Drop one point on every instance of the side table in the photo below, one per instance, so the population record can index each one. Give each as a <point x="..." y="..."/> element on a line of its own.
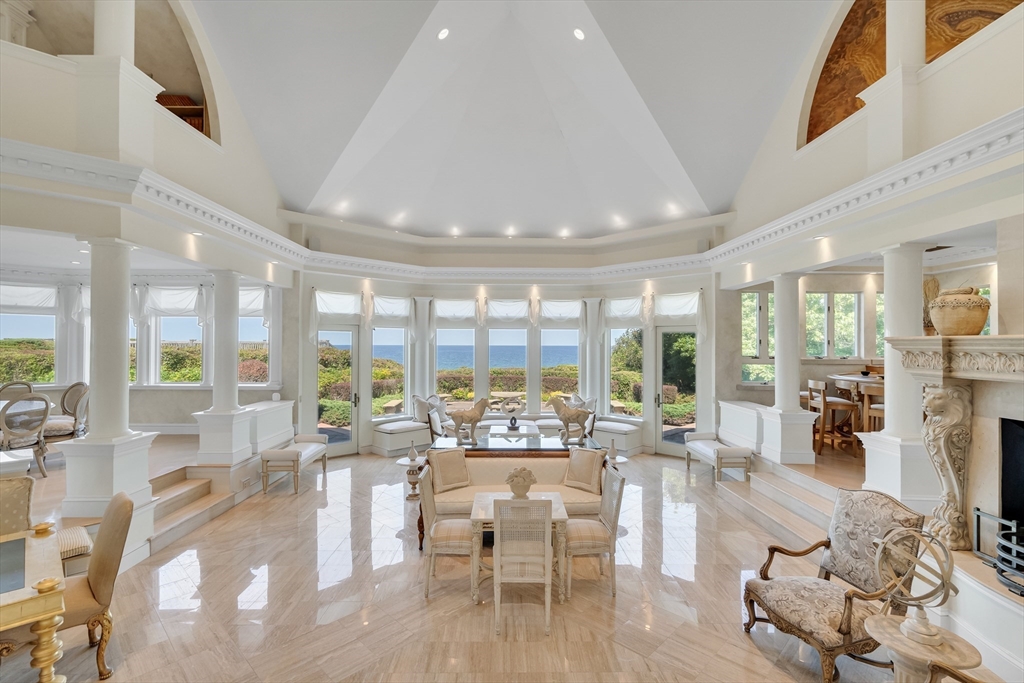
<point x="412" y="471"/>
<point x="910" y="659"/>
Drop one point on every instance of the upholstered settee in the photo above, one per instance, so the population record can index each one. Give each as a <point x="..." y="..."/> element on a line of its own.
<point x="489" y="474"/>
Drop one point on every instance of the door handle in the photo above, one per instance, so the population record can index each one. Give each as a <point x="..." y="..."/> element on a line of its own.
<point x="355" y="400"/>
<point x="657" y="400"/>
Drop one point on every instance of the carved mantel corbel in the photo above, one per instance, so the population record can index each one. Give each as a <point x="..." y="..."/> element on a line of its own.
<point x="947" y="366"/>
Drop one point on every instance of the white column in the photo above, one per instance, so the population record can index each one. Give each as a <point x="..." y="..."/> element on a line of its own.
<point x="113" y="32"/>
<point x="111" y="289"/>
<point x="895" y="459"/>
<point x="533" y="373"/>
<point x="788" y="434"/>
<point x="225" y="341"/>
<point x="110" y="458"/>
<point x="904" y="34"/>
<point x="787" y="342"/>
<point x="591" y="355"/>
<point x="904" y="308"/>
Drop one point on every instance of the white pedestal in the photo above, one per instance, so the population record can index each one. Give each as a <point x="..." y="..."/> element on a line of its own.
<point x="741" y="424"/>
<point x="901" y="468"/>
<point x="788" y="436"/>
<point x="97" y="469"/>
<point x="224" y="438"/>
<point x="271" y="424"/>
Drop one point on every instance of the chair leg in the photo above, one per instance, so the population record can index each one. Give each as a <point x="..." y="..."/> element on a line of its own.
<point x="426" y="578"/>
<point x="828" y="667"/>
<point x="323" y="461"/>
<point x="433" y="563"/>
<point x="40" y="458"/>
<point x="497" y="607"/>
<point x="547" y="604"/>
<point x="105" y="621"/>
<point x="266" y="477"/>
<point x="295" y="475"/>
<point x="568" y="579"/>
<point x="611" y="570"/>
<point x="751" y="614"/>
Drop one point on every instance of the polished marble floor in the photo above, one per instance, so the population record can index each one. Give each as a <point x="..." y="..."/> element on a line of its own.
<point x="327" y="586"/>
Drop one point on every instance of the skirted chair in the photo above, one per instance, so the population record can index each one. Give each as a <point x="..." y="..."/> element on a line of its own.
<point x="522" y="550"/>
<point x="87" y="598"/>
<point x="597" y="536"/>
<point x="22" y="420"/>
<point x="70" y="424"/>
<point x="444" y="537"/>
<point x="819" y="612"/>
<point x="15" y="504"/>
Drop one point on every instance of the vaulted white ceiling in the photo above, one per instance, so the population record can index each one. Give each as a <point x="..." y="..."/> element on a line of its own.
<point x="510" y="125"/>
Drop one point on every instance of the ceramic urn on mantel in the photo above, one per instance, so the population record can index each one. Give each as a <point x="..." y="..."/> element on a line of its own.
<point x="948" y="366"/>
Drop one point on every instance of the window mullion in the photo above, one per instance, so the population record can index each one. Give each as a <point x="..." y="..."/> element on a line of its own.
<point x="830" y="325"/>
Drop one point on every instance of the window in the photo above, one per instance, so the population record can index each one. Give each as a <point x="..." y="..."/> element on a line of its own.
<point x="334" y="385"/>
<point x="771" y="325"/>
<point x="758" y="373"/>
<point x="559" y="363"/>
<point x="832" y="324"/>
<point x="986" y="292"/>
<point x="880" y="325"/>
<point x="388" y="370"/>
<point x="816" y="305"/>
<point x="133" y="351"/>
<point x="181" y="350"/>
<point x="253" y="351"/>
<point x="749" y="331"/>
<point x="455" y="362"/>
<point x="506" y="354"/>
<point x="27" y="348"/>
<point x="626" y="359"/>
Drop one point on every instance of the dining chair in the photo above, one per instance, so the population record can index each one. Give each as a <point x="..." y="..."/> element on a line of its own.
<point x="15" y="504"/>
<point x="873" y="407"/>
<point x="597" y="537"/>
<point x="12" y="390"/>
<point x="70" y="424"/>
<point x="830" y="426"/>
<point x="87" y="598"/>
<point x="522" y="550"/>
<point x="22" y="421"/>
<point x="875" y="369"/>
<point x="444" y="537"/>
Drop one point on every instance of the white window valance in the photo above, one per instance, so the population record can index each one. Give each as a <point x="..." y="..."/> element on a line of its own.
<point x="508" y="309"/>
<point x="255" y="301"/>
<point x="28" y="299"/>
<point x="178" y="301"/>
<point x="624" y="311"/>
<point x="455" y="309"/>
<point x="75" y="303"/>
<point x="392" y="308"/>
<point x="685" y="309"/>
<point x="561" y="311"/>
<point x="334" y="308"/>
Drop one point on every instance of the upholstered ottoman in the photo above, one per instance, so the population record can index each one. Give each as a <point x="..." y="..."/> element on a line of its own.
<point x="291" y="458"/>
<point x="628" y="437"/>
<point x="393" y="438"/>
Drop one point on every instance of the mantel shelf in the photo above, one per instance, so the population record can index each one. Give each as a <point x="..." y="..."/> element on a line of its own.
<point x="992" y="358"/>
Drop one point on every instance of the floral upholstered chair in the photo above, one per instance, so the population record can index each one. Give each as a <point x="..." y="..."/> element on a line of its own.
<point x="824" y="614"/>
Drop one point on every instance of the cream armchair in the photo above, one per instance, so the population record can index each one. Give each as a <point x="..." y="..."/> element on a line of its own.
<point x="87" y="598"/>
<point x="819" y="612"/>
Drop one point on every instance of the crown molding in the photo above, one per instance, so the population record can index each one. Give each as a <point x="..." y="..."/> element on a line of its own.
<point x="990" y="142"/>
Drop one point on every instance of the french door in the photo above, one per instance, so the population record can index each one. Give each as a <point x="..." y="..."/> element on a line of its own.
<point x="675" y="399"/>
<point x="337" y="388"/>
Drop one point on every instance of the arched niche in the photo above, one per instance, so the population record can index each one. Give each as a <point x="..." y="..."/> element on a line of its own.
<point x="165" y="50"/>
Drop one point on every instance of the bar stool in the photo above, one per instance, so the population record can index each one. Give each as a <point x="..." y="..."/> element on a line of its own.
<point x="873" y="407"/>
<point x="837" y="431"/>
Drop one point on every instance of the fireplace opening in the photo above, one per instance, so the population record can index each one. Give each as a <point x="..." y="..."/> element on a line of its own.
<point x="1011" y="480"/>
<point x="1009" y="539"/>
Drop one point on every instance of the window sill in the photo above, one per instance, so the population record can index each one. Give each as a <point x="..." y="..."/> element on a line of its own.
<point x="268" y="386"/>
<point x="637" y="420"/>
<point x="852" y="360"/>
<point x="757" y="386"/>
<point x="272" y="386"/>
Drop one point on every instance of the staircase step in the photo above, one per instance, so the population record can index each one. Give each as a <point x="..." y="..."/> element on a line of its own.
<point x="166" y="480"/>
<point x="790" y="528"/>
<point x="792" y="473"/>
<point x="178" y="495"/>
<point x="189" y="518"/>
<point x="807" y="504"/>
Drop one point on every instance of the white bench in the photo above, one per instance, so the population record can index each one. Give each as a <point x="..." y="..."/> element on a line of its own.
<point x="628" y="437"/>
<point x="393" y="438"/>
<point x="707" y="447"/>
<point x="293" y="457"/>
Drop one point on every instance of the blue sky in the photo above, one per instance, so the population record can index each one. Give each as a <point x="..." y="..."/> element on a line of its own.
<point x="26" y="326"/>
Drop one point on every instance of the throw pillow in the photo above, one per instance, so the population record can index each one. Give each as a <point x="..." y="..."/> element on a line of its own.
<point x="584" y="471"/>
<point x="575" y="401"/>
<point x="420" y="409"/>
<point x="438" y="404"/>
<point x="449" y="469"/>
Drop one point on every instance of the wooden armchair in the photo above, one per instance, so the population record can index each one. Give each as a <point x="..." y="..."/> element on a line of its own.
<point x="822" y="613"/>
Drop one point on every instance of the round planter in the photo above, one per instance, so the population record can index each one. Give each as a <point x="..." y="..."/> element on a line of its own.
<point x="959" y="312"/>
<point x="519" y="491"/>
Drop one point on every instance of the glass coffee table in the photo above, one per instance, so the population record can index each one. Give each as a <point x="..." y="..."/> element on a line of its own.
<point x="513" y="445"/>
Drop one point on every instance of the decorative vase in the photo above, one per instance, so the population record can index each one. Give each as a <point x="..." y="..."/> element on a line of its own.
<point x="959" y="312"/>
<point x="519" y="491"/>
<point x="613" y="452"/>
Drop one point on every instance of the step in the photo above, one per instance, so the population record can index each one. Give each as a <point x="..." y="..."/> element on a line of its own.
<point x="795" y="498"/>
<point x="815" y="486"/>
<point x="178" y="495"/>
<point x="188" y="519"/>
<point x="792" y="530"/>
<point x="166" y="480"/>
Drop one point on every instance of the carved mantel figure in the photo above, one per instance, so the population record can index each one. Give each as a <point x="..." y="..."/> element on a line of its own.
<point x="947" y="437"/>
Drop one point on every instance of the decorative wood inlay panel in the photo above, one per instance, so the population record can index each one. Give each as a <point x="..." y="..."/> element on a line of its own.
<point x="855" y="61"/>
<point x="950" y="22"/>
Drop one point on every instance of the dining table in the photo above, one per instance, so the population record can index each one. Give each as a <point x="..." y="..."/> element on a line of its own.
<point x="857" y="396"/>
<point x="32" y="592"/>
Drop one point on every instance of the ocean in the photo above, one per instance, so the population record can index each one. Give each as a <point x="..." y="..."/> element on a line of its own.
<point x="449" y="357"/>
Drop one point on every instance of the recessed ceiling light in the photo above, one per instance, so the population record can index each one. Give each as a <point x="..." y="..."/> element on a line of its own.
<point x="274" y="263"/>
<point x="617" y="220"/>
<point x="511" y="230"/>
<point x="819" y="237"/>
<point x="198" y="234"/>
<point x="673" y="209"/>
<point x="745" y="263"/>
<point x="455" y="231"/>
<point x="442" y="34"/>
<point x="76" y="263"/>
<point x="579" y="34"/>
<point x="83" y="251"/>
<point x="564" y="233"/>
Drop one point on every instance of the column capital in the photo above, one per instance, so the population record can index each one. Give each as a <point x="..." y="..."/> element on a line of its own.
<point x="786" y="277"/>
<point x="93" y="241"/>
<point x="906" y="248"/>
<point x="224" y="273"/>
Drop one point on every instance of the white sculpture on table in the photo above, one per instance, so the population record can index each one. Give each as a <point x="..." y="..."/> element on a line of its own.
<point x="567" y="416"/>
<point x="901" y="570"/>
<point x="469" y="416"/>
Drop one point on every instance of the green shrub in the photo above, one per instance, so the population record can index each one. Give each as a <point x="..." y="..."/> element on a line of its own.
<point x="682" y="412"/>
<point x="622" y="382"/>
<point x="335" y="413"/>
<point x="30" y="360"/>
<point x="181" y="364"/>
